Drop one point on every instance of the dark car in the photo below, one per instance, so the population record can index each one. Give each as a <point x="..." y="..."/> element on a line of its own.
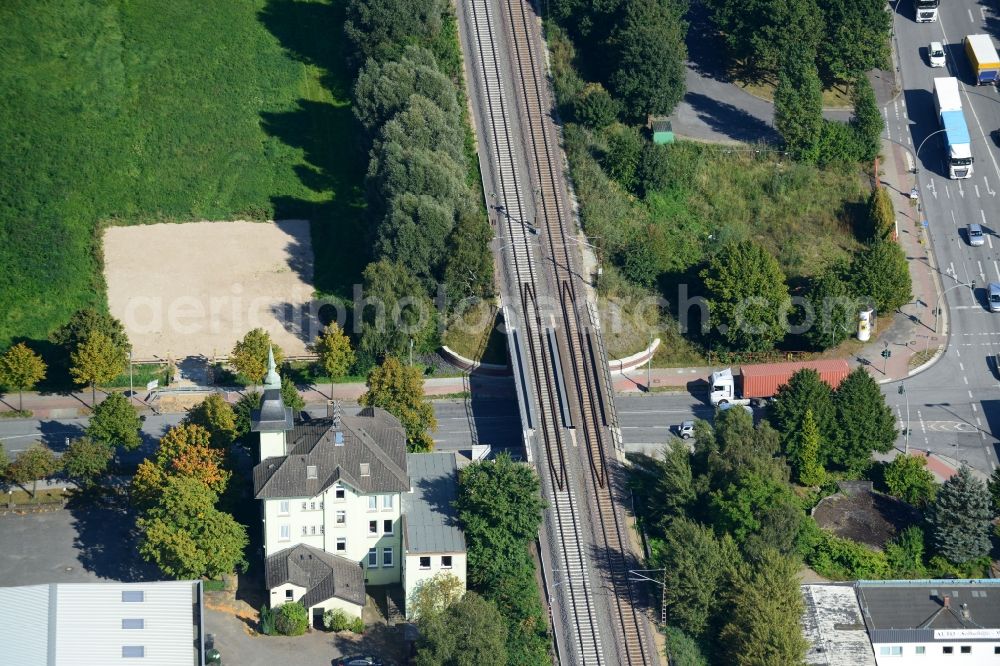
<point x="360" y="660"/>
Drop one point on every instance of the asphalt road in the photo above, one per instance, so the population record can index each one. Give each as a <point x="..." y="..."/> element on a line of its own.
<point x="954" y="407"/>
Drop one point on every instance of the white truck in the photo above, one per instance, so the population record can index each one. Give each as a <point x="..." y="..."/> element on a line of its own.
<point x="925" y="11"/>
<point x="958" y="145"/>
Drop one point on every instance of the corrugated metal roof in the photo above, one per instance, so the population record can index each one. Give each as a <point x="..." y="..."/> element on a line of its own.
<point x="81" y="623"/>
<point x="373" y="436"/>
<point x="833" y="626"/>
<point x="430" y="524"/>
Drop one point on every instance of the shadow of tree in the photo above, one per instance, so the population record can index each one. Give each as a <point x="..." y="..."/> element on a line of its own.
<point x="106" y="539"/>
<point x="730" y="120"/>
<point x="322" y="126"/>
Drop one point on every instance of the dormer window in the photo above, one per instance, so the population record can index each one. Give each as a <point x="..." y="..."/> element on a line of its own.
<point x="338" y="438"/>
<point x="365" y="469"/>
<point x="311" y="472"/>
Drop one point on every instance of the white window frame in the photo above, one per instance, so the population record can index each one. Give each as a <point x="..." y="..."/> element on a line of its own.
<point x="420" y="562"/>
<point x="387" y="558"/>
<point x="339" y="493"/>
<point x="305" y="530"/>
<point x="372" y="524"/>
<point x="289" y="593"/>
<point x="373" y="502"/>
<point x="449" y="564"/>
<point x="304" y="507"/>
<point x="284" y="533"/>
<point x="312" y="530"/>
<point x="341" y="545"/>
<point x="388" y="502"/>
<point x="312" y="506"/>
<point x="284" y="508"/>
<point x="373" y="558"/>
<point x="341" y="518"/>
<point x="388" y="522"/>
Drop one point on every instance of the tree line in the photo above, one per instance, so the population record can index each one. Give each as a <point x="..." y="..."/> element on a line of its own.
<point x="428" y="227"/>
<point x="729" y="520"/>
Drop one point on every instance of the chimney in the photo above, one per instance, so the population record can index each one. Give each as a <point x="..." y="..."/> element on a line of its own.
<point x="946" y="600"/>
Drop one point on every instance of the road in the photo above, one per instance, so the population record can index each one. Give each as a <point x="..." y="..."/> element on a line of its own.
<point x="955" y="405"/>
<point x="645" y="423"/>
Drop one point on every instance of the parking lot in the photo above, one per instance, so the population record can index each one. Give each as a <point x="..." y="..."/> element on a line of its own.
<point x="86" y="544"/>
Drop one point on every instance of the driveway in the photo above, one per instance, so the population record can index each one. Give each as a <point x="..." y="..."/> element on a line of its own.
<point x="714" y="109"/>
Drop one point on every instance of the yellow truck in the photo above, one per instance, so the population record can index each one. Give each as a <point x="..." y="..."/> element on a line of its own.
<point x="983" y="58"/>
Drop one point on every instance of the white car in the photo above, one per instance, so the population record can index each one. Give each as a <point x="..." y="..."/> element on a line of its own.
<point x="935" y="54"/>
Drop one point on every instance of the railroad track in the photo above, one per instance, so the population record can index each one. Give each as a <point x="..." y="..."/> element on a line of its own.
<point x="563" y="349"/>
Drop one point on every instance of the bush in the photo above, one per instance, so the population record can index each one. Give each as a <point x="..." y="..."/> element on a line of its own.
<point x="595" y="108"/>
<point x="337" y="619"/>
<point x="266" y="621"/>
<point x="838" y="144"/>
<point x="357" y="626"/>
<point x="291" y="619"/>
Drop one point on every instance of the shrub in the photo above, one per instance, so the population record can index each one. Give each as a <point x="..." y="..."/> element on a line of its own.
<point x="595" y="108"/>
<point x="357" y="625"/>
<point x="838" y="144"/>
<point x="291" y="619"/>
<point x="336" y="619"/>
<point x="266" y="621"/>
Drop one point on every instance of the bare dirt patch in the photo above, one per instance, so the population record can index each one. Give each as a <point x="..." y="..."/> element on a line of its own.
<point x="865" y="516"/>
<point x="190" y="290"/>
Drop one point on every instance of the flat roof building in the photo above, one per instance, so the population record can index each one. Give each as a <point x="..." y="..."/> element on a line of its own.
<point x="69" y="624"/>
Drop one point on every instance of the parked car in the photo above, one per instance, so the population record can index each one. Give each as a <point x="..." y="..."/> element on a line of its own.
<point x="976" y="237"/>
<point x="993" y="296"/>
<point x="935" y="55"/>
<point x="360" y="660"/>
<point x="686" y="430"/>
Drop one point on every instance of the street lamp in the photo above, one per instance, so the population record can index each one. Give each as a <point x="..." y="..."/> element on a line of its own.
<point x="937" y="309"/>
<point x="916" y="168"/>
<point x="902" y="391"/>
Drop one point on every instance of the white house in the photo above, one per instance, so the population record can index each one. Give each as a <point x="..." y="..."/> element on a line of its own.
<point x="432" y="541"/>
<point x="903" y="622"/>
<point x="332" y="500"/>
<point x="62" y="624"/>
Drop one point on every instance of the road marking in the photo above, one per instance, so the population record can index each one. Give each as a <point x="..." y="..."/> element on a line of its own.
<point x="992" y="193"/>
<point x="909" y="161"/>
<point x="961" y="191"/>
<point x="989" y="241"/>
<point x="970" y="397"/>
<point x="971" y="20"/>
<point x="996" y="267"/>
<point x="977" y="189"/>
<point x="965" y="379"/>
<point x="920" y="418"/>
<point x="979" y="423"/>
<point x="981" y="273"/>
<point x="974" y="410"/>
<point x="961" y="367"/>
<point x="888" y="127"/>
<point x="947" y="190"/>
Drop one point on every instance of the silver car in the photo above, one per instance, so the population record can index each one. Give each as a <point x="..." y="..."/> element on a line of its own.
<point x="976" y="237"/>
<point x="993" y="296"/>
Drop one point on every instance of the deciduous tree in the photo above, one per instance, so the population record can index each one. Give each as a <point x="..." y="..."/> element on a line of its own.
<point x="682" y="650"/>
<point x="882" y="275"/>
<point x="855" y="38"/>
<point x="186" y="536"/>
<point x="881" y="215"/>
<point x="994" y="488"/>
<point x="395" y="309"/>
<point x="334" y="350"/>
<point x="959" y="518"/>
<point x="905" y="554"/>
<point x="290" y="395"/>
<point x="33" y="463"/>
<point x="21" y="369"/>
<point x="243" y="410"/>
<point x="468" y="271"/>
<point x="86" y="321"/>
<point x="908" y="478"/>
<point x="867" y="120"/>
<point x="97" y="359"/>
<point x="217" y="417"/>
<point x="249" y="355"/>
<point x="798" y="105"/>
<point x="471" y="631"/>
<point x="380" y="29"/>
<point x="384" y="88"/>
<point x="186" y="450"/>
<point x="434" y="595"/>
<point x="649" y="50"/>
<point x="594" y="107"/>
<point x="86" y="460"/>
<point x="747" y="296"/>
<point x="114" y="422"/>
<point x="399" y="390"/>
<point x="864" y="422"/>
<point x="834" y="308"/>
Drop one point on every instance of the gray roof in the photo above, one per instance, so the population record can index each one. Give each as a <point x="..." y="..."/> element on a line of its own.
<point x="273" y="415"/>
<point x="81" y="623"/>
<point x="323" y="574"/>
<point x="430" y="524"/>
<point x="373" y="436"/>
<point x="833" y="626"/>
<point x="914" y="610"/>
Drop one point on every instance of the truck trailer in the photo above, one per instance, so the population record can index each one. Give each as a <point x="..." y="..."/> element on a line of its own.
<point x="925" y="11"/>
<point x="958" y="144"/>
<point x="753" y="384"/>
<point x="983" y="58"/>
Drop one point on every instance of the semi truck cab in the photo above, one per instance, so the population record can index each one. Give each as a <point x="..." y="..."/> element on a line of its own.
<point x="925" y="11"/>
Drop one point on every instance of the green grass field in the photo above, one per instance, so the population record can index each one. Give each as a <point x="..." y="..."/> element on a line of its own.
<point x="129" y="112"/>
